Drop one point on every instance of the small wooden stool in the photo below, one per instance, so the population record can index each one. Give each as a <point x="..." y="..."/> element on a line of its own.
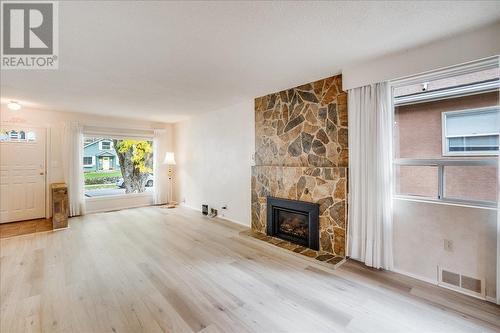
<point x="60" y="207"/>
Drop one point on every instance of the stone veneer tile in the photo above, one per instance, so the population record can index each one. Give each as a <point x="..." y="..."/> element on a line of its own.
<point x="317" y="185"/>
<point x="318" y="255"/>
<point x="301" y="153"/>
<point x="303" y="126"/>
<point x="325" y="257"/>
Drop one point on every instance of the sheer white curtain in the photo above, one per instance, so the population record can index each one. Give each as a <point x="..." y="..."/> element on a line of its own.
<point x="370" y="175"/>
<point x="159" y="172"/>
<point x="73" y="167"/>
<point x="498" y="212"/>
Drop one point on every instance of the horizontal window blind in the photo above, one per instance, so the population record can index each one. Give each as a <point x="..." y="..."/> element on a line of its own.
<point x="472" y="123"/>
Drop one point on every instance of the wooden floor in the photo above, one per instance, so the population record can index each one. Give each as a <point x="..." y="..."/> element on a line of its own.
<point x="25" y="227"/>
<point x="160" y="270"/>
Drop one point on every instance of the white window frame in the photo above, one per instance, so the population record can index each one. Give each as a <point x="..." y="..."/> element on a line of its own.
<point x="444" y="137"/>
<point x="108" y="134"/>
<point x="441" y="164"/>
<point x="110" y="145"/>
<point x="89" y="165"/>
<point x="474" y="66"/>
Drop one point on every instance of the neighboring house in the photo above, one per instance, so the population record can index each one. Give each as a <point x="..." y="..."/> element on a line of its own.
<point x="463" y="128"/>
<point x="99" y="155"/>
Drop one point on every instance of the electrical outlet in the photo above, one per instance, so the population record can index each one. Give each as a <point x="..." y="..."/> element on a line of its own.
<point x="448" y="245"/>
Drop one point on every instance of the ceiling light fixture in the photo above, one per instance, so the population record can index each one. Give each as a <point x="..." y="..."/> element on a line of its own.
<point x="12" y="105"/>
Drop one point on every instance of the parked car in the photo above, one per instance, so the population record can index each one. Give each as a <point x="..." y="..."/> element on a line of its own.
<point x="149" y="182"/>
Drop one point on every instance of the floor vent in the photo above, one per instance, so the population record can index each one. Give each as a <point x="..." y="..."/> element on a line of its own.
<point x="462" y="283"/>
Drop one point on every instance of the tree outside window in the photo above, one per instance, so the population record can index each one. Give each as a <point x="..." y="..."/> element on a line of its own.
<point x="116" y="166"/>
<point x="136" y="163"/>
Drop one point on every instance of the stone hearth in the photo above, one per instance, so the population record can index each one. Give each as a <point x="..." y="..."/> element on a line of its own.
<point x="302" y="154"/>
<point x="318" y="255"/>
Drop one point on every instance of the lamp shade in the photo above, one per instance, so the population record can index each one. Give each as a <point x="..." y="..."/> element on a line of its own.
<point x="169" y="158"/>
<point x="14" y="106"/>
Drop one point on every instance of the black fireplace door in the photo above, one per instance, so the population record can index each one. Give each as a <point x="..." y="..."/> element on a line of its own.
<point x="294" y="221"/>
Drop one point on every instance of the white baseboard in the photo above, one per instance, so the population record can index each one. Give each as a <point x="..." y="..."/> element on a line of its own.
<point x="491" y="299"/>
<point x="233" y="221"/>
<point x="436" y="283"/>
<point x="115" y="209"/>
<point x="415" y="276"/>
<point x="183" y="204"/>
<point x="219" y="216"/>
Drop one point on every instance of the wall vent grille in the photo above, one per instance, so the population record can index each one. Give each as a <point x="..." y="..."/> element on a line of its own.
<point x="450" y="278"/>
<point x="462" y="283"/>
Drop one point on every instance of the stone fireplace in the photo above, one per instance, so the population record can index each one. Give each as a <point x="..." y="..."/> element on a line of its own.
<point x="294" y="221"/>
<point x="301" y="154"/>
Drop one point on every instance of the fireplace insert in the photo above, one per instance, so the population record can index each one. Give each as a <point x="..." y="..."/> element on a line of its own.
<point x="294" y="221"/>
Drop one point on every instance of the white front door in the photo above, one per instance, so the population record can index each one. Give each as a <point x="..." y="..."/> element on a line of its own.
<point x="22" y="176"/>
<point x="105" y="163"/>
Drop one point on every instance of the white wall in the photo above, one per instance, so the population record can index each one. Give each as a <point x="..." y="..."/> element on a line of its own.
<point x="420" y="229"/>
<point x="465" y="47"/>
<point x="55" y="121"/>
<point x="214" y="157"/>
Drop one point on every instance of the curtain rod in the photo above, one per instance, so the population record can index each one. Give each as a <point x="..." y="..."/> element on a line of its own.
<point x="108" y="128"/>
<point x="446" y="72"/>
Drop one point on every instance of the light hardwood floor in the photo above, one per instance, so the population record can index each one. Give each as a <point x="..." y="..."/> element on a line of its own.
<point x="25" y="227"/>
<point x="159" y="270"/>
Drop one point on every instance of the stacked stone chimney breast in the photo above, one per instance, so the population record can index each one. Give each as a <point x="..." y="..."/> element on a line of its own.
<point x="301" y="153"/>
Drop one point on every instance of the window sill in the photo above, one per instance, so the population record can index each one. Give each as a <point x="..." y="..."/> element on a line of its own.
<point x="443" y="202"/>
<point x="120" y="196"/>
<point x="471" y="154"/>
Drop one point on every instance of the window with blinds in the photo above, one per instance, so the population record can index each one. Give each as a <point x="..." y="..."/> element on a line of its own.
<point x="471" y="132"/>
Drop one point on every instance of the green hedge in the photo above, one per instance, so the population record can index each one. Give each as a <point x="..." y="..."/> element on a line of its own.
<point x="101" y="180"/>
<point x="102" y="174"/>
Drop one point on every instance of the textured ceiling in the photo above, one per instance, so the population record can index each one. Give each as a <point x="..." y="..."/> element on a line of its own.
<point x="168" y="60"/>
